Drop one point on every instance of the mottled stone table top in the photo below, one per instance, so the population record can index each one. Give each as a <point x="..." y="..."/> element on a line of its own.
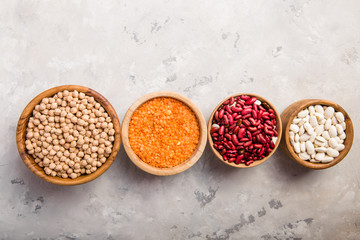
<point x="206" y="50"/>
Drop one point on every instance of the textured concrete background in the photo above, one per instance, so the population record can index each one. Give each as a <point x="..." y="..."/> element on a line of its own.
<point x="207" y="50"/>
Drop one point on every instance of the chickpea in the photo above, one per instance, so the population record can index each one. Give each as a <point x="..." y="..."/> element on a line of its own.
<point x="69" y="134"/>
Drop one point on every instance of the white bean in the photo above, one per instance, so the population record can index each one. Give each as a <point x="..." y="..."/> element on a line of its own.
<point x="340" y="147"/>
<point x="332" y="131"/>
<point x="313" y="121"/>
<point x="332" y="152"/>
<point x="319" y="129"/>
<point x="342" y="136"/>
<point x="321" y="149"/>
<point x="327" y="124"/>
<point x="302" y="147"/>
<point x="321" y="139"/>
<point x="297" y="147"/>
<point x="333" y="143"/>
<point x="339" y="129"/>
<point x="319" y="116"/>
<point x="329" y="112"/>
<point x="309" y="128"/>
<point x="319" y="109"/>
<point x="296" y="120"/>
<point x="304" y="156"/>
<point x="326" y="135"/>
<point x="319" y="156"/>
<point x="303" y="113"/>
<point x="304" y="137"/>
<point x="309" y="147"/>
<point x="327" y="159"/>
<point x="301" y="130"/>
<point x="340" y="117"/>
<point x="294" y="128"/>
<point x="312" y="137"/>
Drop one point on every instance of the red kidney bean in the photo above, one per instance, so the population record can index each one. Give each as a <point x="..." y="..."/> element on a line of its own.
<point x="231" y="145"/>
<point x="217" y="115"/>
<point x="252" y="129"/>
<point x="236" y="129"/>
<point x="255" y="107"/>
<point x="254" y="113"/>
<point x="275" y="133"/>
<point x="249" y="162"/>
<point x="245" y="129"/>
<point x="241" y="133"/>
<point x="237" y="117"/>
<point x="214" y="134"/>
<point x="227" y="107"/>
<point x="246" y="111"/>
<point x="232" y="100"/>
<point x="221" y="130"/>
<point x="252" y="121"/>
<point x="213" y="130"/>
<point x="251" y="100"/>
<point x="232" y="127"/>
<point x="245" y="97"/>
<point x="223" y="151"/>
<point x="234" y="139"/>
<point x="239" y="158"/>
<point x="221" y="113"/>
<point x="236" y="109"/>
<point x="226" y="120"/>
<point x="228" y="136"/>
<point x="226" y="145"/>
<point x="247" y="144"/>
<point x="231" y="121"/>
<point x="246" y="122"/>
<point x="249" y="134"/>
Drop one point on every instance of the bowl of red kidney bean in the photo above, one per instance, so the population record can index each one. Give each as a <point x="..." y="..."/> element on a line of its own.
<point x="244" y="130"/>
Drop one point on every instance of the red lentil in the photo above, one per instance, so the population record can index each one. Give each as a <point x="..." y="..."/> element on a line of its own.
<point x="164" y="132"/>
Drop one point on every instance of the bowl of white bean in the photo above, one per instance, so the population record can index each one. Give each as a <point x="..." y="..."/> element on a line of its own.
<point x="68" y="135"/>
<point x="317" y="134"/>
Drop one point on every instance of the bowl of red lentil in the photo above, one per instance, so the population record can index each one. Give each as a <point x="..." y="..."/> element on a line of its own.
<point x="164" y="133"/>
<point x="244" y="130"/>
<point x="68" y="135"/>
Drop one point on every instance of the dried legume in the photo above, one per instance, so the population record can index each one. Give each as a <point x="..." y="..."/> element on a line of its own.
<point x="317" y="134"/>
<point x="164" y="132"/>
<point x="67" y="136"/>
<point x="244" y="130"/>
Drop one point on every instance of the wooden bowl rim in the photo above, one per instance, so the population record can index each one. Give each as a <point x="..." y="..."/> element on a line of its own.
<point x="164" y="171"/>
<point x="29" y="160"/>
<point x="257" y="162"/>
<point x="349" y="131"/>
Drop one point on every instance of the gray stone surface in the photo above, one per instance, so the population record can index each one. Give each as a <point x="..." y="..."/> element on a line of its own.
<point x="207" y="50"/>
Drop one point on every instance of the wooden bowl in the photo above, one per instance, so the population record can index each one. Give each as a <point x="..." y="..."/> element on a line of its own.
<point x="257" y="162"/>
<point x="29" y="160"/>
<point x="287" y="117"/>
<point x="164" y="171"/>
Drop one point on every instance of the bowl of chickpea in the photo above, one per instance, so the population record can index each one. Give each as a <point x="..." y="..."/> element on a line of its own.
<point x="68" y="135"/>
